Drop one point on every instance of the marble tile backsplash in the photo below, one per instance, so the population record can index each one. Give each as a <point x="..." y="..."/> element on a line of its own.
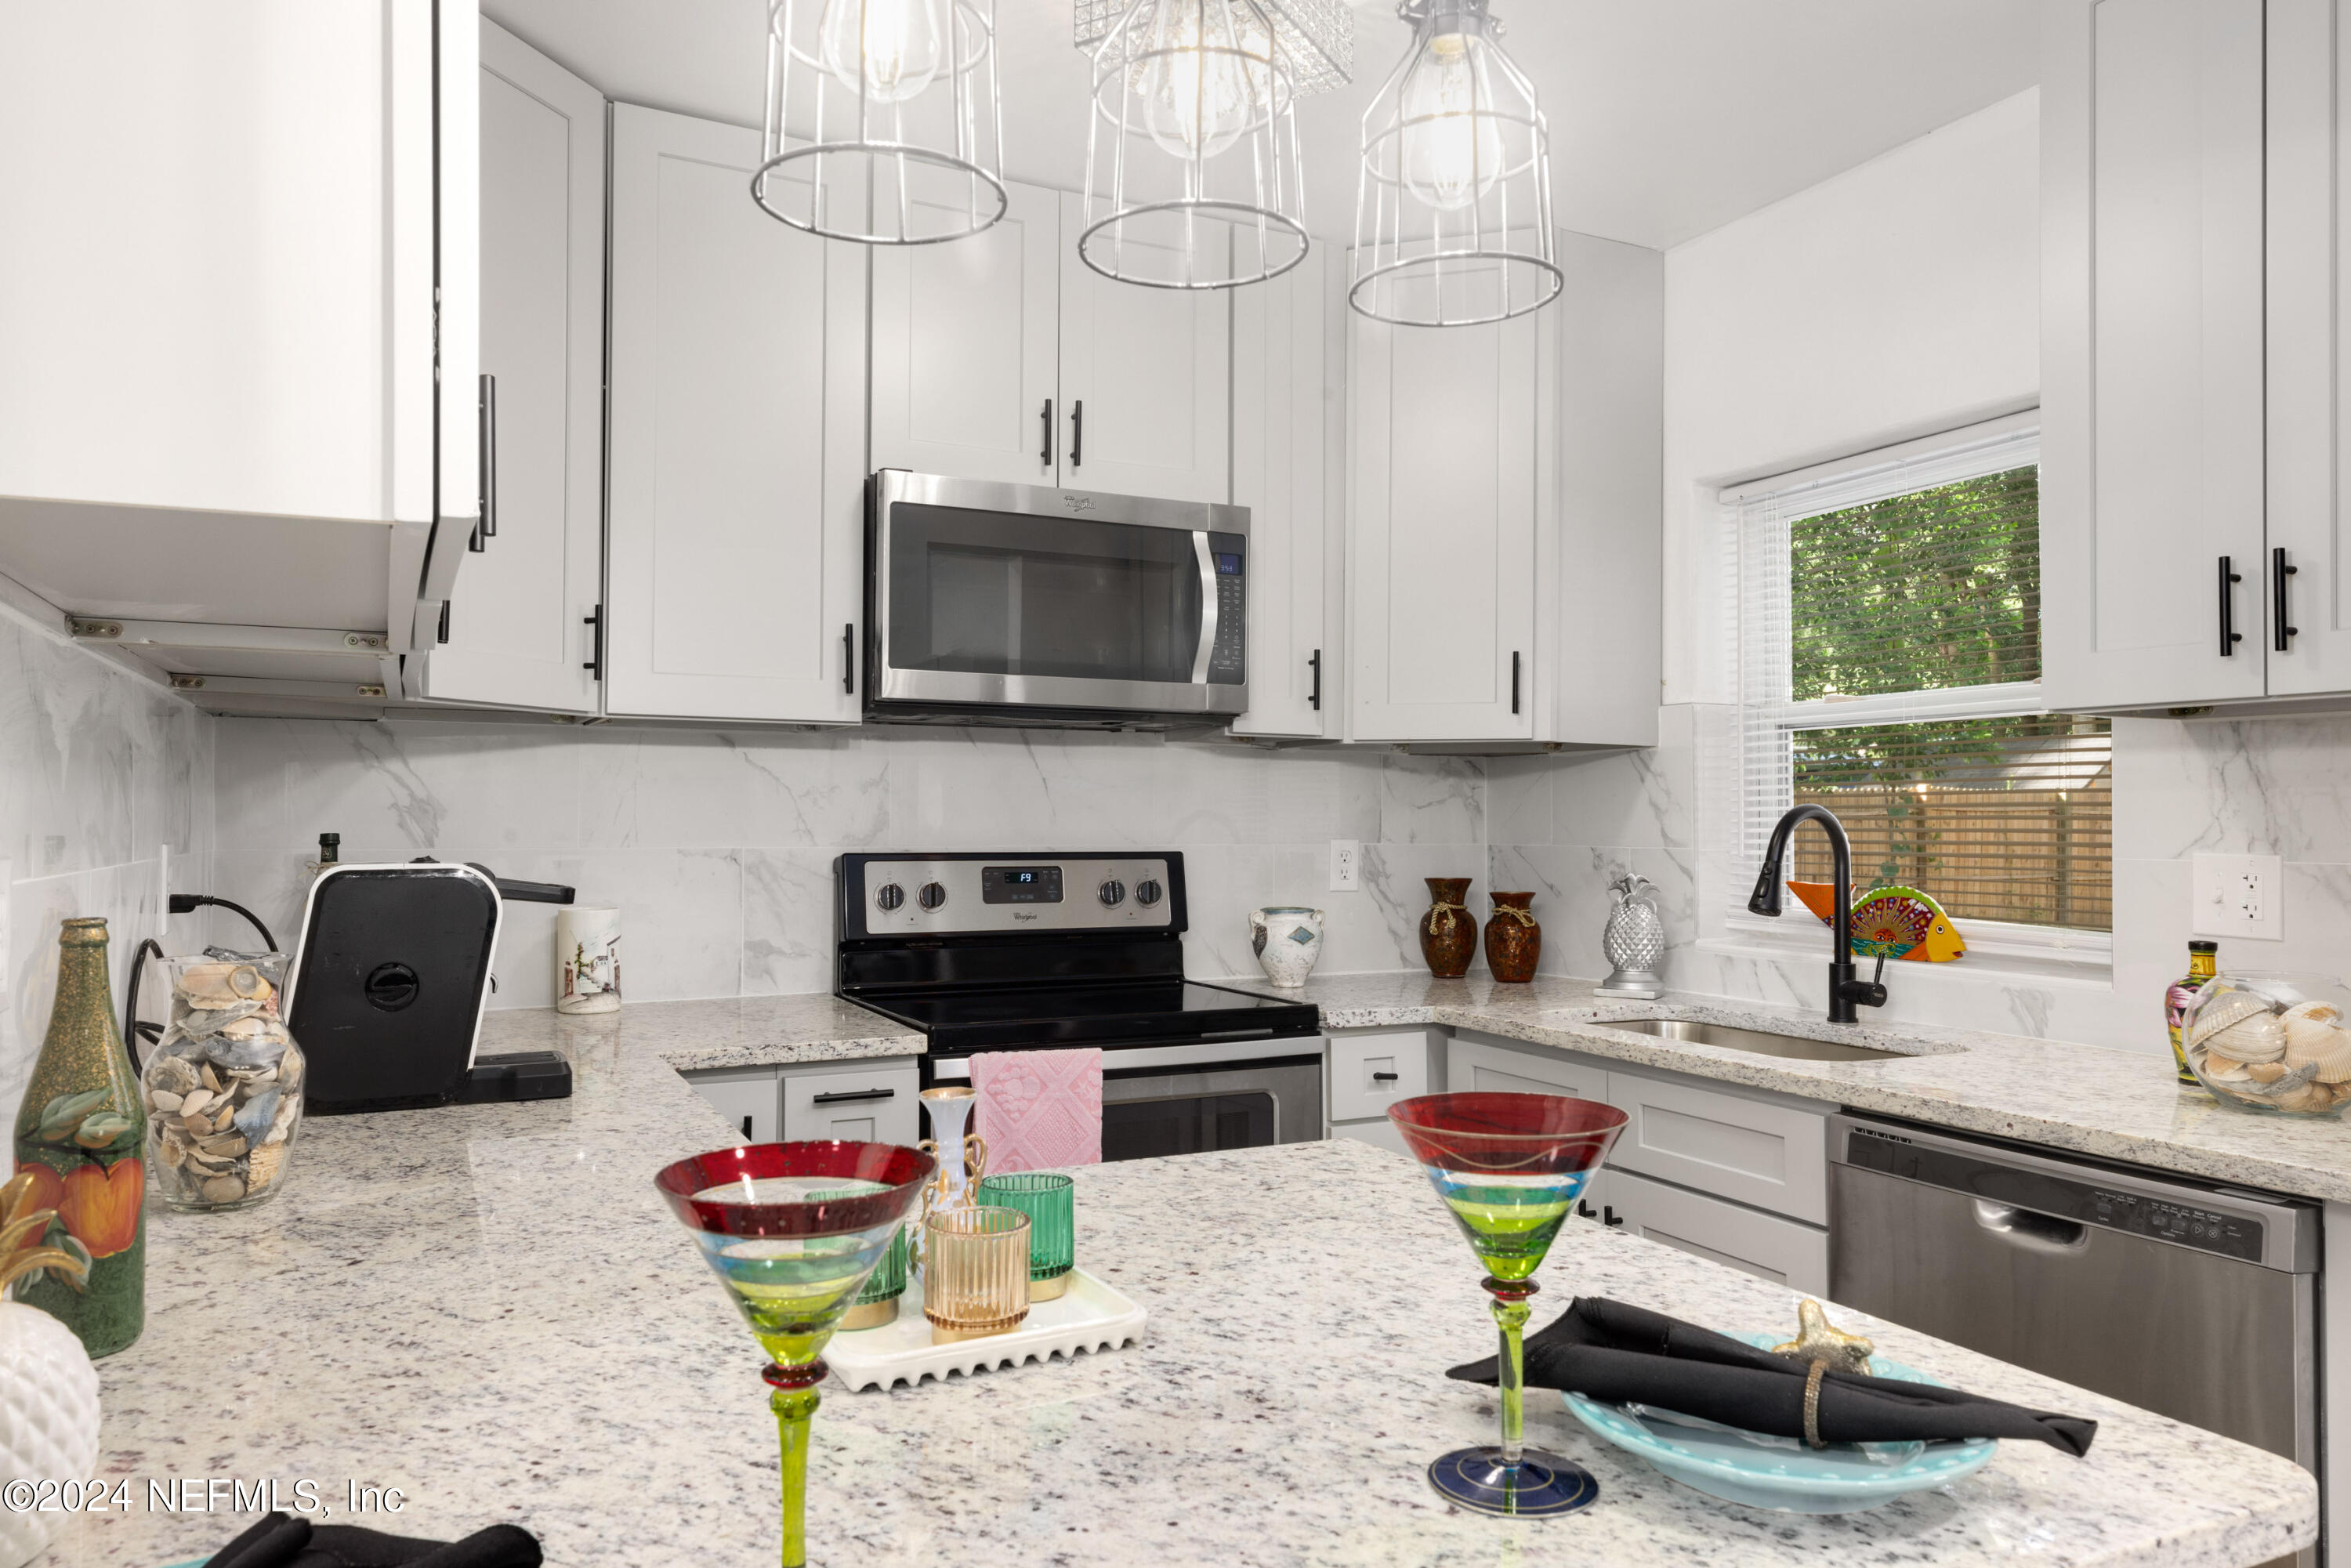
<point x="719" y="846"/>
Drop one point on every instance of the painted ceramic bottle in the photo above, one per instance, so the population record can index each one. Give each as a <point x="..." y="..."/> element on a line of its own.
<point x="1513" y="938"/>
<point x="1448" y="934"/>
<point x="2203" y="963"/>
<point x="80" y="1132"/>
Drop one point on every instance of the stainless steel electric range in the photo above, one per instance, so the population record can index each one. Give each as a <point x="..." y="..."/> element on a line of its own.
<point x="1013" y="952"/>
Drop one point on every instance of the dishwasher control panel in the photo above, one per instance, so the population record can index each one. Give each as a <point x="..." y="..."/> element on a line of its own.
<point x="2224" y="1230"/>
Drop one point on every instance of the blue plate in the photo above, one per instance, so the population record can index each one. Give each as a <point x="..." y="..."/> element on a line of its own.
<point x="1780" y="1473"/>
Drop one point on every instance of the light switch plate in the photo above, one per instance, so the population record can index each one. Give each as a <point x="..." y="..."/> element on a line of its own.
<point x="1346" y="865"/>
<point x="2238" y="895"/>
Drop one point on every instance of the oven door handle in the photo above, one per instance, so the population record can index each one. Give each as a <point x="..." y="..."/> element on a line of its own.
<point x="1207" y="609"/>
<point x="1222" y="1053"/>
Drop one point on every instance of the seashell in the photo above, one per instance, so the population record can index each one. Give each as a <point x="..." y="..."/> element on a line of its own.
<point x="2223" y="1010"/>
<point x="267" y="1162"/>
<point x="224" y="1189"/>
<point x="162" y="1100"/>
<point x="263" y="1047"/>
<point x="195" y="1100"/>
<point x="224" y="984"/>
<point x="256" y="1115"/>
<point x="2224" y="1068"/>
<point x="2305" y="1097"/>
<point x="173" y="1074"/>
<point x="2265" y="1072"/>
<point x="197" y="1125"/>
<point x="224" y="1145"/>
<point x="2307" y="1038"/>
<point x="206" y="1022"/>
<point x="221" y="1123"/>
<point x="283" y="1124"/>
<point x="2320" y="1012"/>
<point x="2257" y="1037"/>
<point x="211" y="1079"/>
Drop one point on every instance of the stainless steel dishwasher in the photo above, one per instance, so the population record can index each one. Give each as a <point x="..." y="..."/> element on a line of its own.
<point x="2190" y="1299"/>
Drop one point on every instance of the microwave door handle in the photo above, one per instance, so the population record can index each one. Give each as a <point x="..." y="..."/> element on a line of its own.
<point x="1207" y="609"/>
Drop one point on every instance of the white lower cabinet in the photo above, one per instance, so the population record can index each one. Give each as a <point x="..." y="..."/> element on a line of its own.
<point x="1756" y="1149"/>
<point x="1793" y="1254"/>
<point x="869" y="1102"/>
<point x="1475" y="1064"/>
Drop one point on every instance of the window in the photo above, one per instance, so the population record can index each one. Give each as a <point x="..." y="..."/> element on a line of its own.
<point x="1889" y="670"/>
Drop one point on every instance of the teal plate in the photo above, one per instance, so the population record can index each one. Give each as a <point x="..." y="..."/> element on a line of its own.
<point x="1780" y="1473"/>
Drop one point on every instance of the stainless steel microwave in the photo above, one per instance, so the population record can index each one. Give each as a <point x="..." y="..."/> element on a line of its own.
<point x="1018" y="604"/>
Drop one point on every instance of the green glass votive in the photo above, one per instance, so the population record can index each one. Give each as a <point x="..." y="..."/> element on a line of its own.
<point x="877" y="1304"/>
<point x="1048" y="1199"/>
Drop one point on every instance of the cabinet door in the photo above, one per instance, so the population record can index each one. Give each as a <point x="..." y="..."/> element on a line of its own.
<point x="735" y="535"/>
<point x="2152" y="469"/>
<point x="1474" y="1066"/>
<point x="1279" y="406"/>
<point x="1370" y="1073"/>
<point x="747" y="1098"/>
<point x="966" y="349"/>
<point x="518" y="632"/>
<point x="864" y="1104"/>
<point x="1779" y="1249"/>
<point x="1754" y="1151"/>
<point x="2309" y="268"/>
<point x="1441" y="547"/>
<point x="1146" y="378"/>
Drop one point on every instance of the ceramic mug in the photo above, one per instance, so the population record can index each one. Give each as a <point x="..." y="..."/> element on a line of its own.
<point x="1288" y="941"/>
<point x="587" y="958"/>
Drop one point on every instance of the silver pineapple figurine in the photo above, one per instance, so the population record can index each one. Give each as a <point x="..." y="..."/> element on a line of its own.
<point x="1635" y="941"/>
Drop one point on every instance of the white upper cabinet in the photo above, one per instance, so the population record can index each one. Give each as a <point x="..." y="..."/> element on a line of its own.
<point x="1283" y="411"/>
<point x="522" y="630"/>
<point x="217" y="306"/>
<point x="1450" y="431"/>
<point x="1146" y="378"/>
<point x="735" y="538"/>
<point x="967" y="350"/>
<point x="2152" y="466"/>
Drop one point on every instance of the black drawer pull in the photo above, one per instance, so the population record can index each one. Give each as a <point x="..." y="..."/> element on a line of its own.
<point x="1608" y="1215"/>
<point x="2279" y="571"/>
<point x="747" y="1126"/>
<point x="1045" y="452"/>
<point x="1314" y="698"/>
<point x="1384" y="1078"/>
<point x="849" y="1097"/>
<point x="1586" y="1211"/>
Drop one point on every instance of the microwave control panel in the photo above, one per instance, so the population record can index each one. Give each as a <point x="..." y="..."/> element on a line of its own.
<point x="1229" y="658"/>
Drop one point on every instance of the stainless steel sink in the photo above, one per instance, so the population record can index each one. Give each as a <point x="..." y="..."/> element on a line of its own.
<point x="1754" y="1040"/>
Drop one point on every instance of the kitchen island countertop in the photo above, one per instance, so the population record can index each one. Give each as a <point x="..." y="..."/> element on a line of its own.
<point x="722" y="1031"/>
<point x="487" y="1308"/>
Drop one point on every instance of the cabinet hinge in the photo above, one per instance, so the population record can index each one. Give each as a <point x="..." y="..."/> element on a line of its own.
<point x="106" y="629"/>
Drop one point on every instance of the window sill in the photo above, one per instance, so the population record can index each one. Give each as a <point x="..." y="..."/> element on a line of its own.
<point x="2083" y="961"/>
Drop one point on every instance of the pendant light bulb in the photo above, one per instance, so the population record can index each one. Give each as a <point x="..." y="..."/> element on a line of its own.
<point x="1452" y="152"/>
<point x="1203" y="81"/>
<point x="888" y="50"/>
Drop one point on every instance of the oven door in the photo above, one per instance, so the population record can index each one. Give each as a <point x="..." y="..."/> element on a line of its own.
<point x="1189" y="1099"/>
<point x="989" y="595"/>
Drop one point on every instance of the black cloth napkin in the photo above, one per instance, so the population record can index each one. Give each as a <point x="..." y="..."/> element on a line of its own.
<point x="1621" y="1354"/>
<point x="282" y="1540"/>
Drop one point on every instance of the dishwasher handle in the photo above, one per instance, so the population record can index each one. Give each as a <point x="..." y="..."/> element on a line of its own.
<point x="2032" y="1232"/>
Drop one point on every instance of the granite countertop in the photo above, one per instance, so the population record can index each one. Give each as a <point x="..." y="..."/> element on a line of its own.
<point x="2113" y="1104"/>
<point x="726" y="1031"/>
<point x="487" y="1308"/>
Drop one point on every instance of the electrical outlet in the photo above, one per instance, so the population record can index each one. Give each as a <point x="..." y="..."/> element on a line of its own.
<point x="2238" y="895"/>
<point x="1346" y="865"/>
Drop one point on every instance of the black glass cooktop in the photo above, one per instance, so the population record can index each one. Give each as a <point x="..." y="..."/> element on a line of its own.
<point x="1149" y="1012"/>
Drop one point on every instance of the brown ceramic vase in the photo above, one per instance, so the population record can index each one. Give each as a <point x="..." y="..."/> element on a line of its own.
<point x="1513" y="938"/>
<point x="1448" y="933"/>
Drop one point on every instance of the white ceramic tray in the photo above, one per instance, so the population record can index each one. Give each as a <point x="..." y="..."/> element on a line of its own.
<point x="1089" y="1316"/>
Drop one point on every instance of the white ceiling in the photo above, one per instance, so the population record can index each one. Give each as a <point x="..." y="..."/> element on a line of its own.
<point x="1669" y="117"/>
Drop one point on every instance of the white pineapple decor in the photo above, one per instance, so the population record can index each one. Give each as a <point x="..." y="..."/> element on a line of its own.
<point x="48" y="1390"/>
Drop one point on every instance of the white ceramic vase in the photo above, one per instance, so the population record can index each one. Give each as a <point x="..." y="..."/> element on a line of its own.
<point x="1288" y="941"/>
<point x="48" y="1420"/>
<point x="587" y="958"/>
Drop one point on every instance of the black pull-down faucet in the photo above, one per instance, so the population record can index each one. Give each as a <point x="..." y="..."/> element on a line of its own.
<point x="1845" y="988"/>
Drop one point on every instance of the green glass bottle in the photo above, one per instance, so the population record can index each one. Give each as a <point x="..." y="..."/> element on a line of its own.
<point x="2203" y="963"/>
<point x="80" y="1131"/>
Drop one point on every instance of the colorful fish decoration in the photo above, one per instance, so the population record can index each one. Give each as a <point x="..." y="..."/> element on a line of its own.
<point x="1890" y="922"/>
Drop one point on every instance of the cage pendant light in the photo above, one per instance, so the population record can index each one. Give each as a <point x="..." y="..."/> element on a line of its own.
<point x="882" y="120"/>
<point x="1193" y="178"/>
<point x="1453" y="217"/>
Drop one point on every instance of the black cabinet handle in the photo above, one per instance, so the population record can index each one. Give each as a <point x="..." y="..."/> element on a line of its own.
<point x="1514" y="680"/>
<point x="1045" y="452"/>
<point x="1608" y="1215"/>
<point x="1078" y="434"/>
<point x="747" y="1126"/>
<point x="1584" y="1211"/>
<point x="594" y="620"/>
<point x="2279" y="573"/>
<point x="486" y="464"/>
<point x="849" y="658"/>
<point x="849" y="1097"/>
<point x="2230" y="635"/>
<point x="441" y="632"/>
<point x="1314" y="697"/>
<point x="1384" y="1078"/>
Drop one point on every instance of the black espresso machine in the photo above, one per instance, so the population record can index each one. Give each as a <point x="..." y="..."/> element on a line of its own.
<point x="987" y="952"/>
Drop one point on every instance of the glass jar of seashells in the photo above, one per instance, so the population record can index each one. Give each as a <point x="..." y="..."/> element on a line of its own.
<point x="2271" y="1043"/>
<point x="224" y="1084"/>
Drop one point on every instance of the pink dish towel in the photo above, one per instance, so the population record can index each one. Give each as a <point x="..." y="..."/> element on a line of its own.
<point x="1039" y="1109"/>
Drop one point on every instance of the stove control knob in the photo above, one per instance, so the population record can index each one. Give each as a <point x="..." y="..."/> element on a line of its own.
<point x="1147" y="892"/>
<point x="1114" y="893"/>
<point x="932" y="896"/>
<point x="889" y="895"/>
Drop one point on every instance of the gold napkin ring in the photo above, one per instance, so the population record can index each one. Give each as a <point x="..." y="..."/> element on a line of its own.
<point x="1813" y="1406"/>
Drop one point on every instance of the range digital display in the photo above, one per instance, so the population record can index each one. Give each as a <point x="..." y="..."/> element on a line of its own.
<point x="1021" y="885"/>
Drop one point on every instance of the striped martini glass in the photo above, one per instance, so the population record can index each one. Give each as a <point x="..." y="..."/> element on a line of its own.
<point x="1509" y="1168"/>
<point x="792" y="1230"/>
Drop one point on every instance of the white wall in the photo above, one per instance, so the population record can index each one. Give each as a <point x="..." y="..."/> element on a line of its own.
<point x="1900" y="298"/>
